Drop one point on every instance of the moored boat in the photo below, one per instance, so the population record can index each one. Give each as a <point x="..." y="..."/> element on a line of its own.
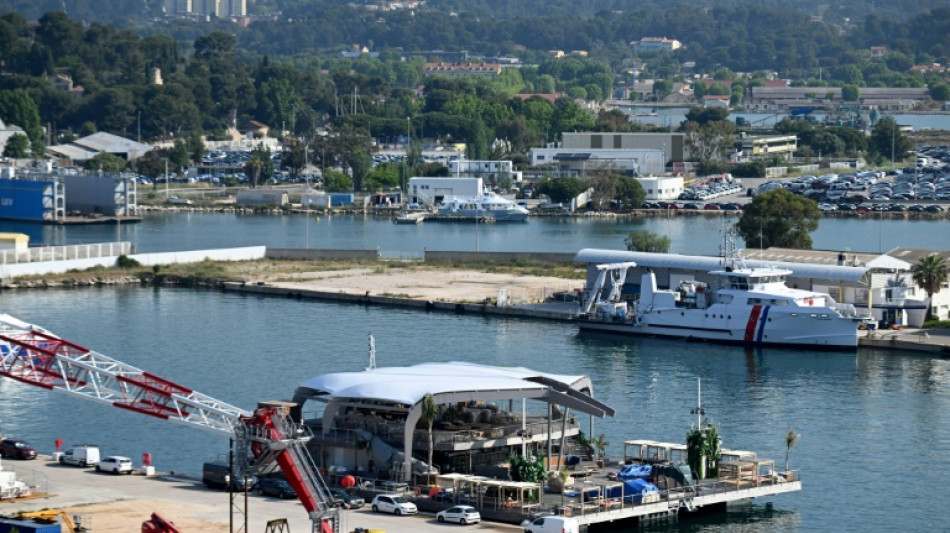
<point x="740" y="305"/>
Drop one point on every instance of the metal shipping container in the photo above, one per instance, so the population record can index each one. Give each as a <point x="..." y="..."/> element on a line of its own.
<point x="34" y="201"/>
<point x="9" y="525"/>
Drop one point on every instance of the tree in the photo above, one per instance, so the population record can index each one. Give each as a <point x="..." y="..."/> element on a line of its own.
<point x="382" y="177"/>
<point x="179" y="156"/>
<point x="641" y="240"/>
<point x="850" y="93"/>
<point x="887" y="140"/>
<point x="337" y="181"/>
<point x="930" y="273"/>
<point x="562" y="190"/>
<point x="605" y="184"/>
<point x="196" y="147"/>
<point x="709" y="141"/>
<point x="630" y="193"/>
<point x="18" y="108"/>
<point x="267" y="162"/>
<point x="105" y="162"/>
<point x="428" y="416"/>
<point x="940" y="92"/>
<point x="779" y="218"/>
<point x="702" y="115"/>
<point x="18" y="146"/>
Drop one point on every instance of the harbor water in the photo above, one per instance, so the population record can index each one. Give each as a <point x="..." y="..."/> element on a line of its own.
<point x="699" y="235"/>
<point x="875" y="425"/>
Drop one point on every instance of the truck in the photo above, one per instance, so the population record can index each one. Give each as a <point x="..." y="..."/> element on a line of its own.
<point x="81" y="455"/>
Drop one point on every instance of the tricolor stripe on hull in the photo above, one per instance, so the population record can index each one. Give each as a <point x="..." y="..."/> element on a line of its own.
<point x="750" y="325"/>
<point x="762" y="321"/>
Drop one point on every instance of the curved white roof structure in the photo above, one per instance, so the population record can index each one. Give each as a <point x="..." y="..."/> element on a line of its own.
<point x="708" y="264"/>
<point x="400" y="391"/>
<point x="409" y="384"/>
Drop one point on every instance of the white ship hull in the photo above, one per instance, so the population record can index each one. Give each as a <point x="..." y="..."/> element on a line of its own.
<point x="758" y="325"/>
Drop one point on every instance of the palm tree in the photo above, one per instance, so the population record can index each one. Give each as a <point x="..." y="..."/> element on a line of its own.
<point x="791" y="439"/>
<point x="428" y="415"/>
<point x="930" y="273"/>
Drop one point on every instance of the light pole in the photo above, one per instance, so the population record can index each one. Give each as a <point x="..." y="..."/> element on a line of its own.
<point x="893" y="141"/>
<point x="139" y="139"/>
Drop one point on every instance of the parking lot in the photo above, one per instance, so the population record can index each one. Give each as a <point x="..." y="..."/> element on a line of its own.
<point x="120" y="503"/>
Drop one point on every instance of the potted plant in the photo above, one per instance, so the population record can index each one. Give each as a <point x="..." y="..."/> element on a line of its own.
<point x="791" y="439"/>
<point x="600" y="443"/>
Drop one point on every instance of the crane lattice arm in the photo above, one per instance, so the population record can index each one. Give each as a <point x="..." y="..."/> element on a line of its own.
<point x="36" y="357"/>
<point x="268" y="440"/>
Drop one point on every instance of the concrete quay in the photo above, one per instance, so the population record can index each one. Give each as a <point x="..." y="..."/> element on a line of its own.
<point x="119" y="504"/>
<point x="933" y="341"/>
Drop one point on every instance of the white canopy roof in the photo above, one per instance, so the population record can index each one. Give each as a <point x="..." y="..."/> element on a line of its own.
<point x="409" y="384"/>
<point x="708" y="264"/>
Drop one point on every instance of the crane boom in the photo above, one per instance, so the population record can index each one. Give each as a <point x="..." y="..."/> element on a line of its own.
<point x="266" y="438"/>
<point x="37" y="357"/>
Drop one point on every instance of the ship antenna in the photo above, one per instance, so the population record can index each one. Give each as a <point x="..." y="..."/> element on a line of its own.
<point x="372" y="353"/>
<point x="699" y="411"/>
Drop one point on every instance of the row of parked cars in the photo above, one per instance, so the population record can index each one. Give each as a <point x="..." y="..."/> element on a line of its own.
<point x="709" y="191"/>
<point x="84" y="455"/>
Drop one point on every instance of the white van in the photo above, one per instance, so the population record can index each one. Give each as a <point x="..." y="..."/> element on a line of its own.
<point x="552" y="524"/>
<point x="82" y="455"/>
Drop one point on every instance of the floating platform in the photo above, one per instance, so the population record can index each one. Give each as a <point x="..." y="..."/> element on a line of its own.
<point x="85" y="220"/>
<point x="462" y="218"/>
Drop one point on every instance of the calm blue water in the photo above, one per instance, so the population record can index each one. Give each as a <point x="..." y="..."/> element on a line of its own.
<point x="875" y="426"/>
<point x="673" y="116"/>
<point x="699" y="235"/>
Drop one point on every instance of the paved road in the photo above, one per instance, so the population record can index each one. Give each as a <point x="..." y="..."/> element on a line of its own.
<point x="103" y="497"/>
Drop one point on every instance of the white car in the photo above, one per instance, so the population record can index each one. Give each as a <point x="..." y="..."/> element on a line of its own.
<point x="115" y="464"/>
<point x="393" y="503"/>
<point x="463" y="514"/>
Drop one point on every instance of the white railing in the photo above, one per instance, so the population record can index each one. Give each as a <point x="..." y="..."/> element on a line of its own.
<point x="64" y="253"/>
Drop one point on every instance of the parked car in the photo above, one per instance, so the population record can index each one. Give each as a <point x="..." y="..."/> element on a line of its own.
<point x="116" y="464"/>
<point x="277" y="487"/>
<point x="83" y="455"/>
<point x="350" y="501"/>
<point x="444" y="497"/>
<point x="393" y="503"/>
<point x="551" y="524"/>
<point x="463" y="514"/>
<point x="217" y="476"/>
<point x="17" y="449"/>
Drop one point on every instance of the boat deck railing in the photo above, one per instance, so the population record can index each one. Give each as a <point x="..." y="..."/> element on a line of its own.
<point x="447" y="439"/>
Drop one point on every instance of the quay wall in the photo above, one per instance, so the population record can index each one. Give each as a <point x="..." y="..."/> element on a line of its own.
<point x="248" y="253"/>
<point x="422" y="305"/>
<point x="497" y="257"/>
<point x="318" y="254"/>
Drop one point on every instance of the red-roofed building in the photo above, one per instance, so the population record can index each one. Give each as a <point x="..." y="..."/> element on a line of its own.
<point x="550" y="97"/>
<point x="878" y="51"/>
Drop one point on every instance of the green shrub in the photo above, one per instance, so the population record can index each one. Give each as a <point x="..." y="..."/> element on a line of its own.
<point x="125" y="261"/>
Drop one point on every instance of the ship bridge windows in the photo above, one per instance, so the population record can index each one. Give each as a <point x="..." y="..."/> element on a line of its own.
<point x="739" y="283"/>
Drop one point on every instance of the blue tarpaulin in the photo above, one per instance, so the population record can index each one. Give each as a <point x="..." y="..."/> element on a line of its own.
<point x="635" y="472"/>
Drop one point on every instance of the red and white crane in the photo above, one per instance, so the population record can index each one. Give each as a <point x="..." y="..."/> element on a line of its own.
<point x="266" y="439"/>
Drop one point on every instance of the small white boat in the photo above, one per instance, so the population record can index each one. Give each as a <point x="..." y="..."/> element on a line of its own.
<point x="487" y="206"/>
<point x="410" y="218"/>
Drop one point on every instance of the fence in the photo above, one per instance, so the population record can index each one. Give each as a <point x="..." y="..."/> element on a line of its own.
<point x="65" y="253"/>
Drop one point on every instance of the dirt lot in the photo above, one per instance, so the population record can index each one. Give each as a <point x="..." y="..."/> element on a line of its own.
<point x="426" y="283"/>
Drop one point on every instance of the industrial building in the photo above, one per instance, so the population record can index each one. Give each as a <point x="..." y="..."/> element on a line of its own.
<point x="55" y="198"/>
<point x="262" y="197"/>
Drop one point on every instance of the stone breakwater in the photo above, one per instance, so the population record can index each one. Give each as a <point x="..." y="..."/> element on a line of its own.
<point x="106" y="281"/>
